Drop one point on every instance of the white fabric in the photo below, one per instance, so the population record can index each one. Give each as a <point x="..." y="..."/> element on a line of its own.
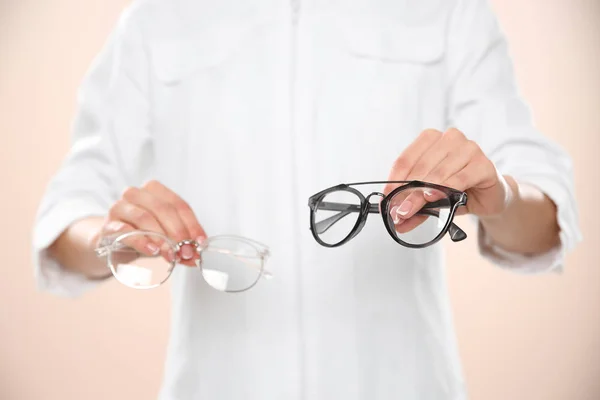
<point x="246" y="108"/>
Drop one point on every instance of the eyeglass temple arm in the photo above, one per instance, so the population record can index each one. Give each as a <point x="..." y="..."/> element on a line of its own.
<point x="456" y="234"/>
<point x="103" y="251"/>
<point x="244" y="259"/>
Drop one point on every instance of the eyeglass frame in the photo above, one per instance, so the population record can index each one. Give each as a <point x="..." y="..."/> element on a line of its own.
<point x="457" y="199"/>
<point x="262" y="250"/>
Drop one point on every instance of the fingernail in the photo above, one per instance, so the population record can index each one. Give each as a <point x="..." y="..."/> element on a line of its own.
<point x="170" y="255"/>
<point x="187" y="252"/>
<point x="394" y="215"/>
<point x="153" y="248"/>
<point x="114" y="226"/>
<point x="428" y="192"/>
<point x="200" y="239"/>
<point x="404" y="208"/>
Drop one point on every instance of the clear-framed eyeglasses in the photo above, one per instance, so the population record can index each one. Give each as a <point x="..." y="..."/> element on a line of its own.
<point x="228" y="263"/>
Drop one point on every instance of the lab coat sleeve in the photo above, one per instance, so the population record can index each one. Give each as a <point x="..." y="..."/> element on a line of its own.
<point x="485" y="103"/>
<point x="109" y="151"/>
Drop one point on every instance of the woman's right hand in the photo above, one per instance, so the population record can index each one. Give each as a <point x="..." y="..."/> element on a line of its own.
<point x="154" y="207"/>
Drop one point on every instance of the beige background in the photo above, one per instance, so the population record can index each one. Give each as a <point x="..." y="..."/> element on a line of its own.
<point x="522" y="338"/>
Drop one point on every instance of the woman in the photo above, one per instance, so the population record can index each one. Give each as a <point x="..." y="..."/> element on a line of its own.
<point x="224" y="117"/>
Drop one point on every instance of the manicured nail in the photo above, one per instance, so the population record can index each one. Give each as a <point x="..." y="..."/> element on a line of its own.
<point x="200" y="239"/>
<point x="114" y="226"/>
<point x="404" y="208"/>
<point x="154" y="249"/>
<point x="394" y="215"/>
<point x="187" y="252"/>
<point x="171" y="255"/>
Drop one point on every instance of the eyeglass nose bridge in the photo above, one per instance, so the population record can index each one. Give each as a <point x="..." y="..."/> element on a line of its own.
<point x="375" y="194"/>
<point x="196" y="245"/>
<point x="366" y="209"/>
<point x="190" y="242"/>
<point x="373" y="207"/>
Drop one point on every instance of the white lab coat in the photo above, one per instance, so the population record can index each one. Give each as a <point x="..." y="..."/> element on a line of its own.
<point x="246" y="108"/>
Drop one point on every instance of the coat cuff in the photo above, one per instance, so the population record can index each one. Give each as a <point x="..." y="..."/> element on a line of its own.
<point x="50" y="275"/>
<point x="552" y="260"/>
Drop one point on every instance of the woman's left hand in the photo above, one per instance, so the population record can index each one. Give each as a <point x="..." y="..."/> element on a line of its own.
<point x="452" y="160"/>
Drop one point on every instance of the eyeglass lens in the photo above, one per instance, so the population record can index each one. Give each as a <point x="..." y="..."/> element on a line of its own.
<point x="417" y="216"/>
<point x="228" y="264"/>
<point x="429" y="213"/>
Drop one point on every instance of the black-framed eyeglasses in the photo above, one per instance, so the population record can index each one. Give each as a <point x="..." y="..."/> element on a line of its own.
<point x="416" y="214"/>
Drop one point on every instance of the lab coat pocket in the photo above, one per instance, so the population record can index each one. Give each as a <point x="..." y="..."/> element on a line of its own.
<point x="387" y="77"/>
<point x="396" y="64"/>
<point x="205" y="108"/>
<point x="386" y="41"/>
<point x="179" y="58"/>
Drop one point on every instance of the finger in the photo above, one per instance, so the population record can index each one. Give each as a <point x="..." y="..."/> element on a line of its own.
<point x="162" y="211"/>
<point x="140" y="244"/>
<point x="477" y="177"/>
<point x="405" y="226"/>
<point x="431" y="195"/>
<point x="435" y="155"/>
<point x="136" y="216"/>
<point x="409" y="157"/>
<point x="434" y="158"/>
<point x="114" y="227"/>
<point x="478" y="173"/>
<point x="149" y="246"/>
<point x="462" y="210"/>
<point x="180" y="221"/>
<point x="181" y="207"/>
<point x="139" y="219"/>
<point x="455" y="161"/>
<point x="408" y="204"/>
